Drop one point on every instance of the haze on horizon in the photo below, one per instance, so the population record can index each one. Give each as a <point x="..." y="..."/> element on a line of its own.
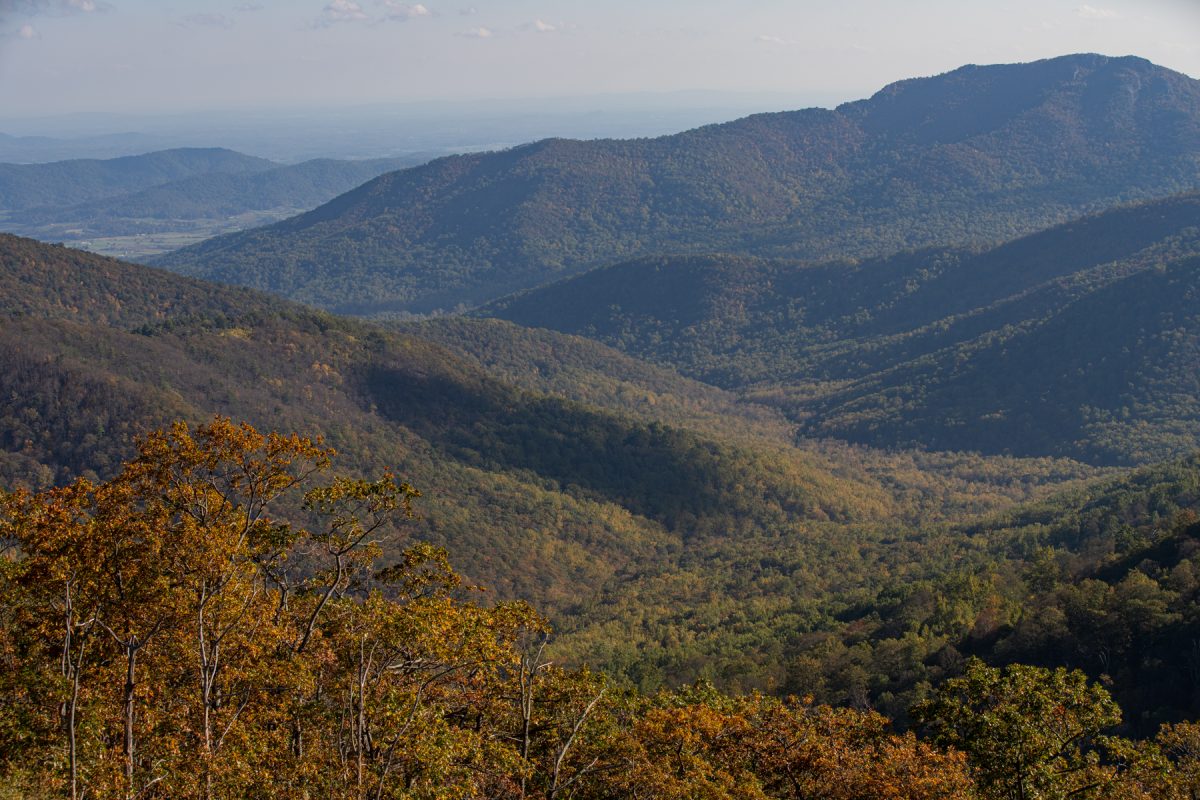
<point x="152" y="57"/>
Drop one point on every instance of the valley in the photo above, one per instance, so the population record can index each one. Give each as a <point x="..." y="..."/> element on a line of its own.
<point x="813" y="418"/>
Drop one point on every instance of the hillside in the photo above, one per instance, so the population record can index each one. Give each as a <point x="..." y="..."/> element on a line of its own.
<point x="1101" y="578"/>
<point x="558" y="470"/>
<point x="67" y="183"/>
<point x="124" y="207"/>
<point x="977" y="155"/>
<point x="1077" y="340"/>
<point x="96" y="350"/>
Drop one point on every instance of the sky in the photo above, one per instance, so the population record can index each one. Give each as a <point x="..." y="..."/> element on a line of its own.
<point x="167" y="56"/>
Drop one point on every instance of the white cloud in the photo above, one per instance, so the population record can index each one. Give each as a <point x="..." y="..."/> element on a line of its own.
<point x="27" y="32"/>
<point x="468" y="12"/>
<point x="1091" y="12"/>
<point x="243" y="7"/>
<point x="765" y="39"/>
<point x="478" y="33"/>
<point x="208" y="21"/>
<point x="342" y="11"/>
<point x="402" y="11"/>
<point x="543" y="27"/>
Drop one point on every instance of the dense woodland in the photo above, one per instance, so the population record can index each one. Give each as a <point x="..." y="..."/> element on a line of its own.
<point x="859" y="460"/>
<point x="670" y="530"/>
<point x="1076" y="341"/>
<point x="165" y="634"/>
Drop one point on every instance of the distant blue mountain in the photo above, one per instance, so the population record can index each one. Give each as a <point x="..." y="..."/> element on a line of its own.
<point x="977" y="155"/>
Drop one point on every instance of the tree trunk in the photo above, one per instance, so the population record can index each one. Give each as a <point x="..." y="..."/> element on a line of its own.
<point x="131" y="651"/>
<point x="72" y="714"/>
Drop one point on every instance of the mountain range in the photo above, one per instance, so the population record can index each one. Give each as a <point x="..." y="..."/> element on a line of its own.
<point x="176" y="196"/>
<point x="975" y="156"/>
<point x="555" y="468"/>
<point x="819" y="403"/>
<point x="671" y="529"/>
<point x="1080" y="340"/>
<point x="66" y="183"/>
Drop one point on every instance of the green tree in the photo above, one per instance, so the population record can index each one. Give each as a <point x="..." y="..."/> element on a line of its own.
<point x="1029" y="733"/>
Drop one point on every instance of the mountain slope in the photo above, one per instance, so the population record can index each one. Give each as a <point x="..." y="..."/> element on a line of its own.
<point x="611" y="492"/>
<point x="1078" y="340"/>
<point x="134" y="207"/>
<point x="978" y="154"/>
<point x="65" y="183"/>
<point x="212" y="194"/>
<point x="95" y="350"/>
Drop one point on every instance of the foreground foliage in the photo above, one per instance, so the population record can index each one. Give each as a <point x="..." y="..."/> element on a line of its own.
<point x="167" y="634"/>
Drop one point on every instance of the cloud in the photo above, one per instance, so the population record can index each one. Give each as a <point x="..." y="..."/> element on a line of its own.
<point x="405" y="11"/>
<point x="1091" y="12"/>
<point x="766" y="39"/>
<point x="208" y="21"/>
<point x="244" y="7"/>
<point x="468" y="12"/>
<point x="341" y="11"/>
<point x="478" y="33"/>
<point x="541" y="26"/>
<point x="27" y="32"/>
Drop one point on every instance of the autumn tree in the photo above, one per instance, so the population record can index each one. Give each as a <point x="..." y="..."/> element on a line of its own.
<point x="175" y="566"/>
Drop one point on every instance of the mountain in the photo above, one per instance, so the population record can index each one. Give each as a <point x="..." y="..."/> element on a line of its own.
<point x="96" y="350"/>
<point x="135" y="207"/>
<point x="977" y="155"/>
<point x="210" y="195"/>
<point x="614" y="493"/>
<point x="67" y="183"/>
<point x="1079" y="340"/>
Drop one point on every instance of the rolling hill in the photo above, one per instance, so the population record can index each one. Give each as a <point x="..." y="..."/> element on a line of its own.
<point x="67" y="183"/>
<point x="96" y="350"/>
<point x="210" y="195"/>
<point x="609" y="491"/>
<point x="1079" y="340"/>
<point x="977" y="155"/>
<point x="151" y="203"/>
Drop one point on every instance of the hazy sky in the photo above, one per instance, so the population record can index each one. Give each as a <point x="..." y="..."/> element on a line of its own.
<point x="146" y="56"/>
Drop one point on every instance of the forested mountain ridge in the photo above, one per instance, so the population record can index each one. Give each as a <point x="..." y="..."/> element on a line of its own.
<point x="96" y="350"/>
<point x="210" y="194"/>
<point x="65" y="183"/>
<point x="976" y="155"/>
<point x="557" y="469"/>
<point x="1075" y="340"/>
<point x="159" y="201"/>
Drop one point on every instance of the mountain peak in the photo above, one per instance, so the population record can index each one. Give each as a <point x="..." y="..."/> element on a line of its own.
<point x="968" y="157"/>
<point x="973" y="100"/>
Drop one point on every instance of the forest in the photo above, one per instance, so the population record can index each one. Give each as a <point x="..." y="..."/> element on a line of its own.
<point x="168" y="633"/>
<point x="670" y="530"/>
<point x="836" y="453"/>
